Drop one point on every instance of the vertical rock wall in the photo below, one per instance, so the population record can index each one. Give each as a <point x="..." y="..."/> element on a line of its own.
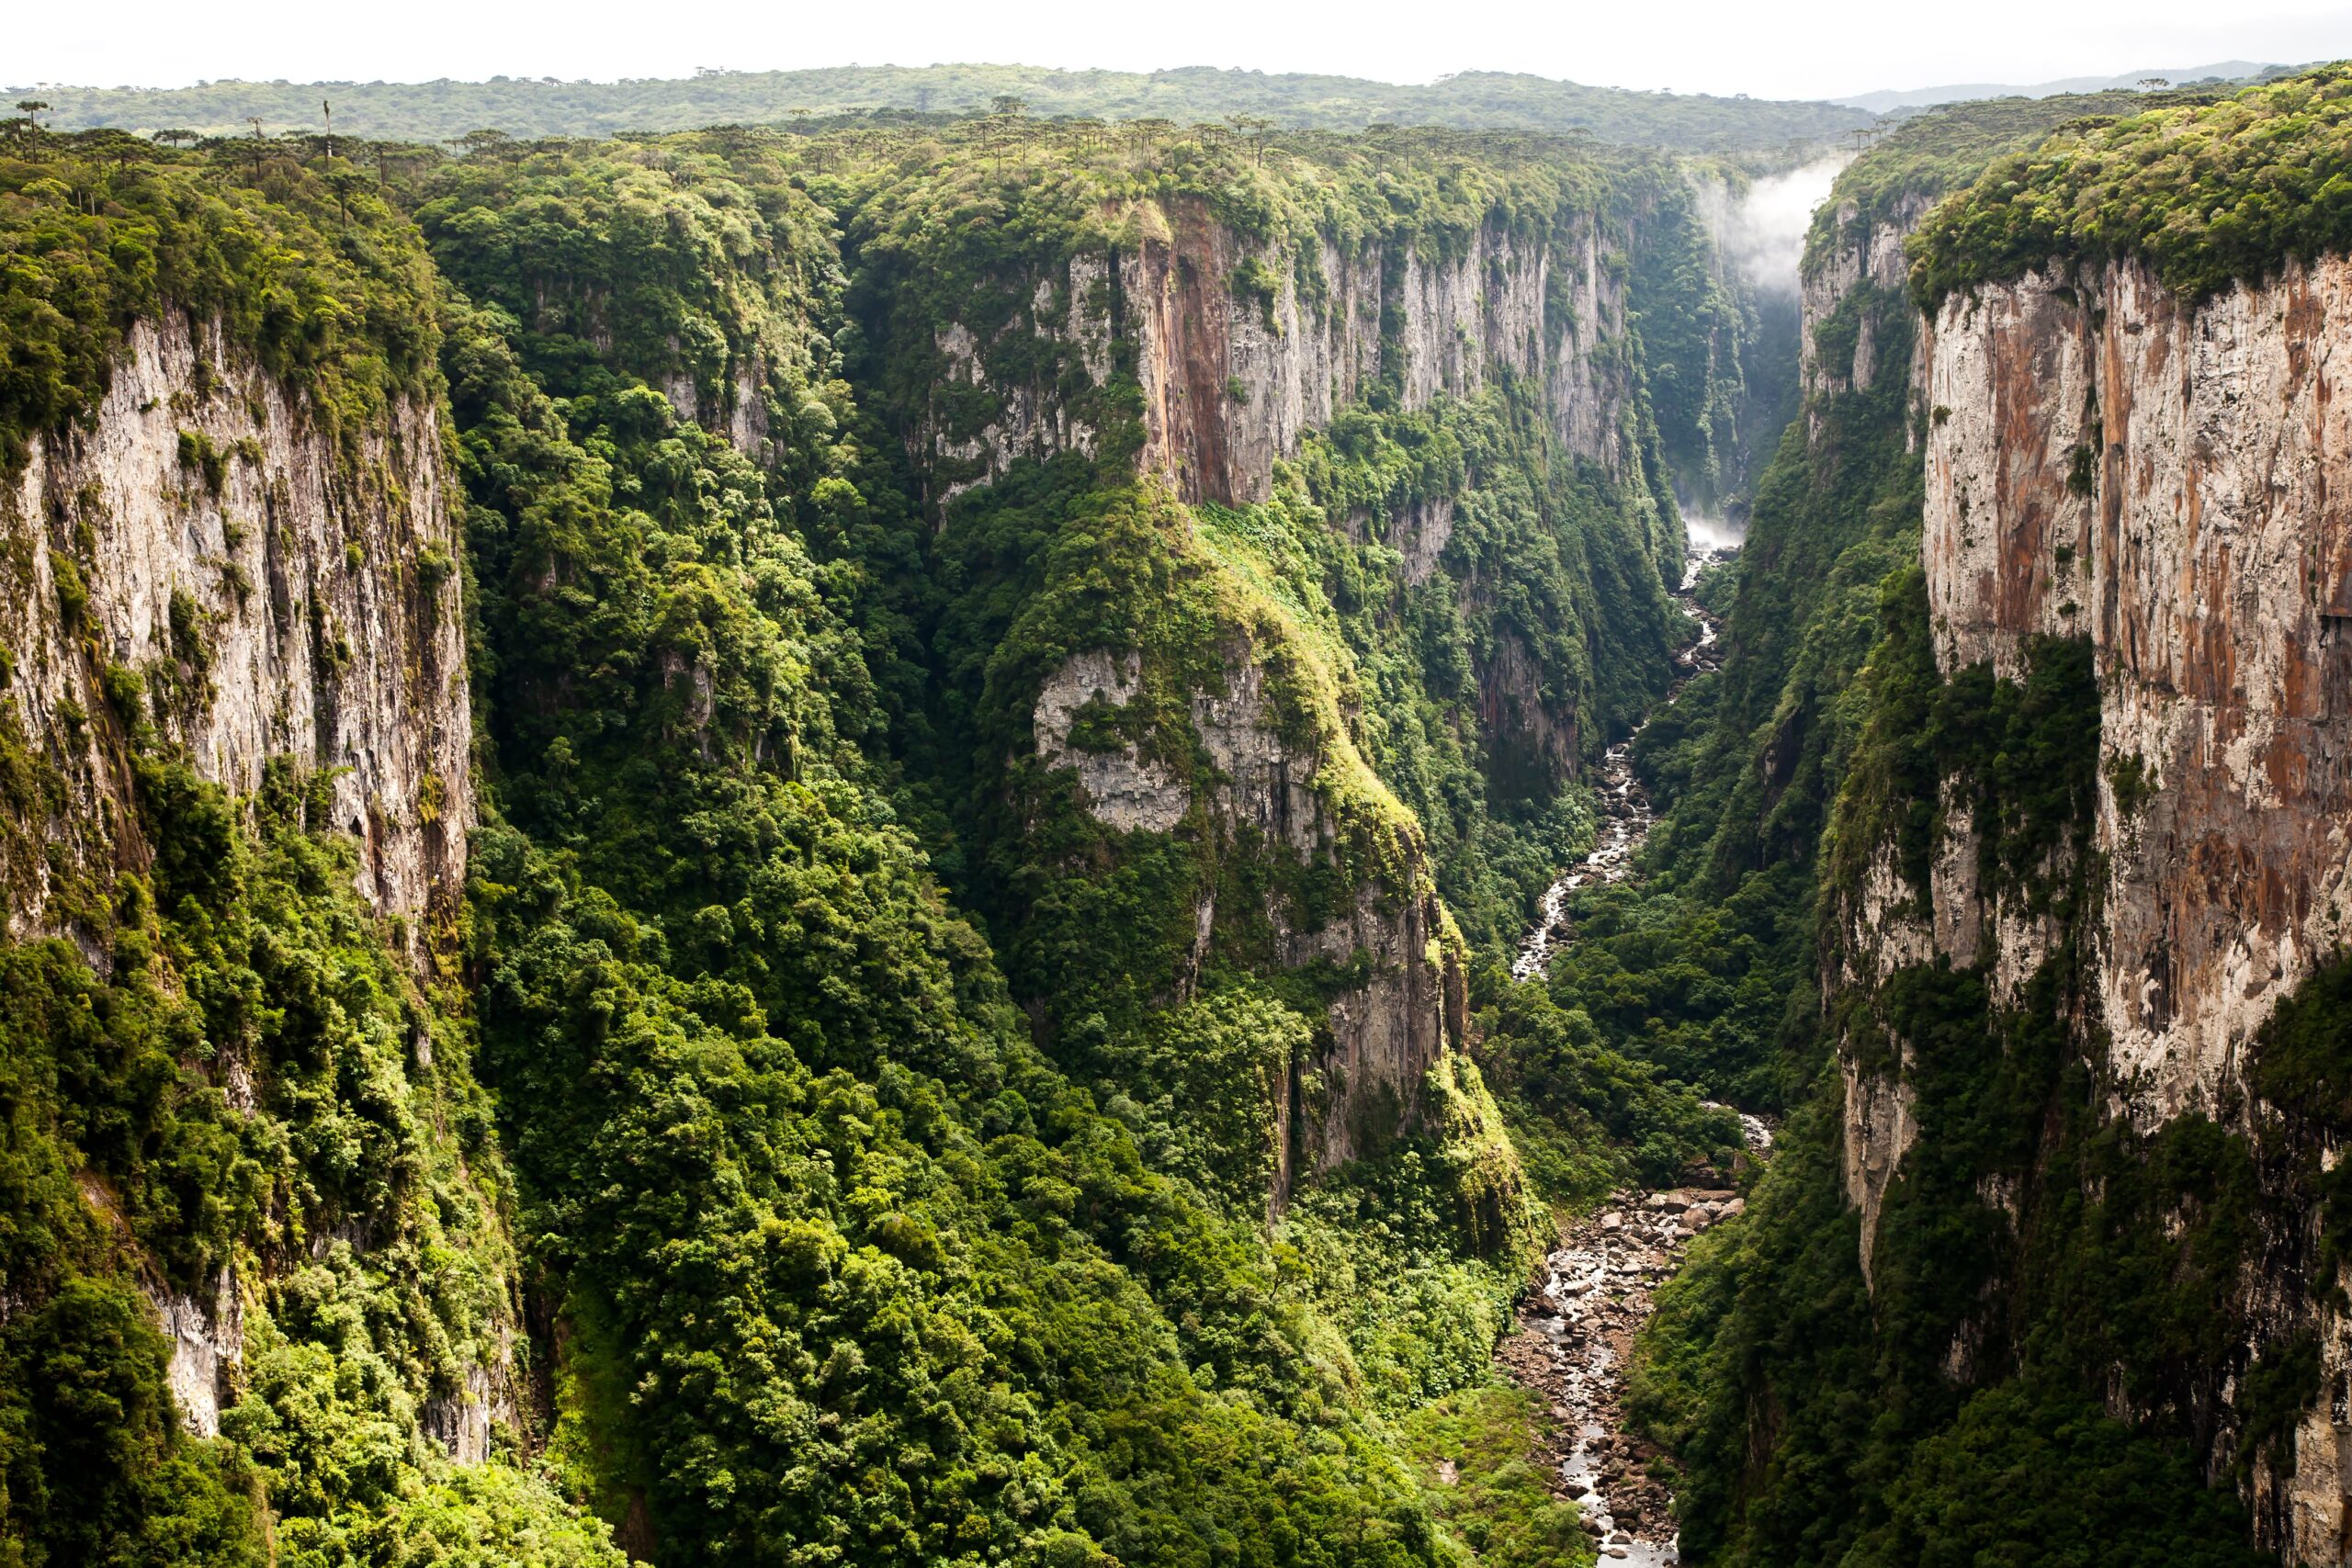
<point x="2169" y="484"/>
<point x="1861" y="256"/>
<point x="1232" y="377"/>
<point x="2165" y="480"/>
<point x="281" y="590"/>
<point x="284" y="591"/>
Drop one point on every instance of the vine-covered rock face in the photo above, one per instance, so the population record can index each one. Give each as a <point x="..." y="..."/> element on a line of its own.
<point x="214" y="560"/>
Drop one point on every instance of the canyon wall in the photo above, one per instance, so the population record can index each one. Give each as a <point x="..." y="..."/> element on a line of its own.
<point x="277" y="588"/>
<point x="2111" y="464"/>
<point x="2168" y="481"/>
<point x="1860" y="255"/>
<point x="212" y="572"/>
<point x="1234" y="349"/>
<point x="1239" y="347"/>
<point x="1266" y="787"/>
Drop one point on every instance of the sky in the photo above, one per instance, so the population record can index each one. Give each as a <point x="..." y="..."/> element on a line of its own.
<point x="1823" y="49"/>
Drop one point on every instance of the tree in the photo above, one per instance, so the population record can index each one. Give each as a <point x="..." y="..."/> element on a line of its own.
<point x="1005" y="105"/>
<point x="1254" y="128"/>
<point x="488" y="144"/>
<point x="1148" y="130"/>
<point x="27" y="127"/>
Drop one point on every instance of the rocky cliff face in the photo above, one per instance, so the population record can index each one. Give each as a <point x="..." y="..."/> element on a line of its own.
<point x="1264" y="788"/>
<point x="1239" y="348"/>
<point x="278" y="589"/>
<point x="1879" y="929"/>
<point x="1861" y="256"/>
<point x="209" y="563"/>
<point x="2165" y="481"/>
<point x="2107" y="463"/>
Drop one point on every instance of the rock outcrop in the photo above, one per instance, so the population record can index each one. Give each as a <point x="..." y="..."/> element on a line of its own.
<point x="2163" y="480"/>
<point x="1257" y="785"/>
<point x="1240" y="348"/>
<point x="280" y="589"/>
<point x="1860" y="255"/>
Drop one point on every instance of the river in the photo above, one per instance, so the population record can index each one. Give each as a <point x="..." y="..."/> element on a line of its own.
<point x="1622" y="803"/>
<point x="1573" y="1337"/>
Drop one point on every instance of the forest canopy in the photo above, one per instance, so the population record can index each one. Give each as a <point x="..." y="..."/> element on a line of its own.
<point x="523" y="107"/>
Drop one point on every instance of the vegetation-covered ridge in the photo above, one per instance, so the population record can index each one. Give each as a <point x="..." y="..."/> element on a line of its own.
<point x="1923" y="157"/>
<point x="324" y="281"/>
<point x="2207" y="194"/>
<point x="530" y="107"/>
<point x="256" y="1112"/>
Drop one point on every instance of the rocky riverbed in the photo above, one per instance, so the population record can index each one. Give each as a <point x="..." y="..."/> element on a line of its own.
<point x="1573" y="1337"/>
<point x="1573" y="1341"/>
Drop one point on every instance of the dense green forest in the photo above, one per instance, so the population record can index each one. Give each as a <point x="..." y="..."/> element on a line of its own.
<point x="913" y="1072"/>
<point x="774" y="1118"/>
<point x="2206" y="193"/>
<point x="435" y="111"/>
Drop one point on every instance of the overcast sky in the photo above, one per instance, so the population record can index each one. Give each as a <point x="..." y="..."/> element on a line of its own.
<point x="1717" y="46"/>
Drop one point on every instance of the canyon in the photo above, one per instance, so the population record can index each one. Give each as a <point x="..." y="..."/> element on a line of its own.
<point x="1001" y="841"/>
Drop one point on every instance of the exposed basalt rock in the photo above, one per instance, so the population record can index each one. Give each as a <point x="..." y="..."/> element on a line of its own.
<point x="284" y="591"/>
<point x="2168" y="483"/>
<point x="2109" y="464"/>
<point x="1263" y="787"/>
<point x="461" y="1421"/>
<point x="1237" y="359"/>
<point x="208" y="1341"/>
<point x="1123" y="789"/>
<point x="1031" y="421"/>
<point x="1881" y="1126"/>
<point x="1862" y="255"/>
<point x="741" y="414"/>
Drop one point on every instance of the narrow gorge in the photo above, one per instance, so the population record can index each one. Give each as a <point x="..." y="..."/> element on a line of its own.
<point x="1038" y="841"/>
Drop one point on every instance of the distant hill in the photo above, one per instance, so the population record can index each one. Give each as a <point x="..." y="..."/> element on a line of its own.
<point x="1889" y="101"/>
<point x="441" y="110"/>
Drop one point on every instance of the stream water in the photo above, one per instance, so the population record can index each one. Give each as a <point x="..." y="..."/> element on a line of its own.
<point x="1574" y="1332"/>
<point x="1624" y="804"/>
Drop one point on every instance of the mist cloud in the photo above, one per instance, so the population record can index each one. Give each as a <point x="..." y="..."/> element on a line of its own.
<point x="1763" y="234"/>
